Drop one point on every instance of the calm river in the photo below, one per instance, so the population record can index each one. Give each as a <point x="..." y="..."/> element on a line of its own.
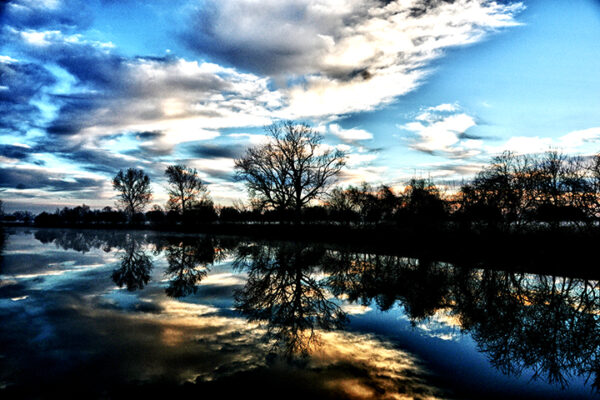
<point x="102" y="314"/>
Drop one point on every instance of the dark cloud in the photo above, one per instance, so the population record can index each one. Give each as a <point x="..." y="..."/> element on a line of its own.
<point x="219" y="174"/>
<point x="216" y="151"/>
<point x="91" y="63"/>
<point x="16" y="178"/>
<point x="424" y="6"/>
<point x="151" y="150"/>
<point x="28" y="14"/>
<point x="21" y="82"/>
<point x="464" y="135"/>
<point x="17" y="152"/>
<point x="113" y="91"/>
<point x="275" y="37"/>
<point x="149" y="135"/>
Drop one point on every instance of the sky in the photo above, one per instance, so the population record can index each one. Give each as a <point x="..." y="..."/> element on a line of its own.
<point x="408" y="88"/>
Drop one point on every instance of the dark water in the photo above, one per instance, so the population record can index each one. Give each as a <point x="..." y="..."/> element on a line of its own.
<point x="92" y="314"/>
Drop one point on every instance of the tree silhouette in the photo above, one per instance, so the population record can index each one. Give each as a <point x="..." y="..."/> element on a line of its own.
<point x="423" y="205"/>
<point x="283" y="292"/>
<point x="544" y="323"/>
<point x="188" y="265"/>
<point x="291" y="169"/>
<point x="134" y="188"/>
<point x="185" y="188"/>
<point x="136" y="264"/>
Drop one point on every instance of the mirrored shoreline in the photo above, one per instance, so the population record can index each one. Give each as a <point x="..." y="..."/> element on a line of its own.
<point x="106" y="313"/>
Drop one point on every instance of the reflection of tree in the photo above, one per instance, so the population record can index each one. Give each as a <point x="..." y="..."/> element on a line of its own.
<point x="136" y="265"/>
<point x="421" y="286"/>
<point x="2" y="242"/>
<point x="188" y="265"/>
<point x="82" y="240"/>
<point x="547" y="324"/>
<point x="283" y="291"/>
<point x="543" y="324"/>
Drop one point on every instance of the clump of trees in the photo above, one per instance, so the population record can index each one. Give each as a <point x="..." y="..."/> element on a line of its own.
<point x="188" y="195"/>
<point x="289" y="178"/>
<point x="134" y="190"/>
<point x="186" y="190"/>
<point x="548" y="188"/>
<point x="291" y="170"/>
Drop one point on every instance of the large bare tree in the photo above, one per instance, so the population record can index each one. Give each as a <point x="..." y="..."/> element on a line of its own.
<point x="290" y="170"/>
<point x="186" y="188"/>
<point x="134" y="188"/>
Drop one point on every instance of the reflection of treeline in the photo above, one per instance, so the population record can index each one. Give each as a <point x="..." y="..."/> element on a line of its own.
<point x="542" y="323"/>
<point x="513" y="192"/>
<point x="525" y="323"/>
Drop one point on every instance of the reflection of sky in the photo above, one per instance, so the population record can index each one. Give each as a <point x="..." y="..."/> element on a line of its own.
<point x="64" y="319"/>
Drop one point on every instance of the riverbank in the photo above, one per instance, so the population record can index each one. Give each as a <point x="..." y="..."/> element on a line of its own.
<point x="565" y="252"/>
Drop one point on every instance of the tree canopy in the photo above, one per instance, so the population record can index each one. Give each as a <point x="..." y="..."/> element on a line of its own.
<point x="185" y="188"/>
<point x="134" y="187"/>
<point x="290" y="170"/>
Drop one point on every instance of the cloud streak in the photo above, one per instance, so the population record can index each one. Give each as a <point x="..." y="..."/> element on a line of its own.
<point x="333" y="58"/>
<point x="442" y="130"/>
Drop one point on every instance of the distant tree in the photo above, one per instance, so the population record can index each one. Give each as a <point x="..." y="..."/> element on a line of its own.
<point x="423" y="203"/>
<point x="501" y="193"/>
<point x="134" y="188"/>
<point x="186" y="188"/>
<point x="156" y="216"/>
<point x="1" y="209"/>
<point x="594" y="173"/>
<point x="341" y="206"/>
<point x="23" y="216"/>
<point x="229" y="214"/>
<point x="291" y="169"/>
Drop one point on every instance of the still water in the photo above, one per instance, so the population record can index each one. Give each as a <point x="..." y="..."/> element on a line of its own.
<point x="135" y="314"/>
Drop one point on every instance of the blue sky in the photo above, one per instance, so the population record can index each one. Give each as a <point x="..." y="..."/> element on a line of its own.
<point x="426" y="88"/>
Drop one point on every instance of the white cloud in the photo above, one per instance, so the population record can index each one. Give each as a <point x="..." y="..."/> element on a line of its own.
<point x="375" y="175"/>
<point x="346" y="55"/>
<point x="349" y="135"/>
<point x="439" y="132"/>
<point x="575" y="142"/>
<point x="580" y="138"/>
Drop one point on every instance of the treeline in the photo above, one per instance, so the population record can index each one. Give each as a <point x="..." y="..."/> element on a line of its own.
<point x="515" y="191"/>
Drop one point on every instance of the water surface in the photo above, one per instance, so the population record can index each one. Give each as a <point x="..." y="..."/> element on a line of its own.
<point x="119" y="314"/>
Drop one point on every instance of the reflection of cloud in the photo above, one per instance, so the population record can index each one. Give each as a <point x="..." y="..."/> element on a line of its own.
<point x="224" y="279"/>
<point x="442" y="325"/>
<point x="355" y="309"/>
<point x="145" y="337"/>
<point x="386" y="372"/>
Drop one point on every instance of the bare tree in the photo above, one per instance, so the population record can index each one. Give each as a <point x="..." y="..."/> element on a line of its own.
<point x="134" y="188"/>
<point x="186" y="188"/>
<point x="291" y="169"/>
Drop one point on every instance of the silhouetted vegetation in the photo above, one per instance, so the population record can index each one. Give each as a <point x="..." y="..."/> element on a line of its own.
<point x="526" y="195"/>
<point x="186" y="190"/>
<point x="290" y="170"/>
<point x="188" y="264"/>
<point x="135" y="268"/>
<point x="134" y="190"/>
<point x="543" y="324"/>
<point x="283" y="293"/>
